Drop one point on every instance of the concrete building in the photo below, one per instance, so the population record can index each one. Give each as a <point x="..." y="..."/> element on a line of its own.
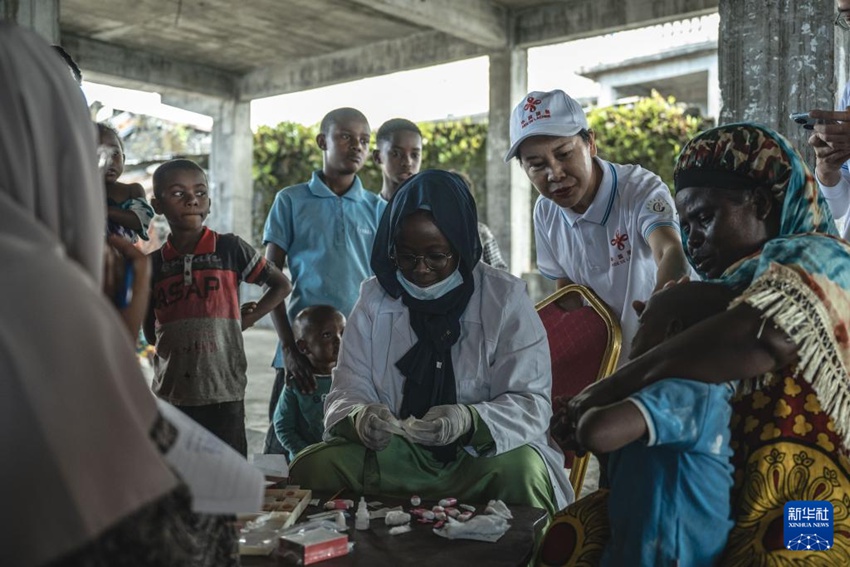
<point x="775" y="56"/>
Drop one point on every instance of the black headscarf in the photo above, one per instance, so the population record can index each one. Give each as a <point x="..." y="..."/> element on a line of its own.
<point x="427" y="366"/>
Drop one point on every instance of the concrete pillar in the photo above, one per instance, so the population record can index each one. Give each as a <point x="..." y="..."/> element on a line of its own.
<point x="231" y="176"/>
<point x="776" y="57"/>
<point x="842" y="62"/>
<point x="608" y="95"/>
<point x="712" y="107"/>
<point x="509" y="194"/>
<point x="41" y="16"/>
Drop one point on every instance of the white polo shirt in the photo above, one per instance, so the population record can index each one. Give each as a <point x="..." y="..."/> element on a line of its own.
<point x="606" y="247"/>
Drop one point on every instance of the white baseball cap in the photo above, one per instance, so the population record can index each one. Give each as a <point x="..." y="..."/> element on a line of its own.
<point x="552" y="113"/>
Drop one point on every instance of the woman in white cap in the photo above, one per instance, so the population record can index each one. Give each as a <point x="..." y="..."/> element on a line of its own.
<point x="610" y="227"/>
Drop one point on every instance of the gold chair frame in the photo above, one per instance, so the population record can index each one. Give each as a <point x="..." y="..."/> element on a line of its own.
<point x="609" y="358"/>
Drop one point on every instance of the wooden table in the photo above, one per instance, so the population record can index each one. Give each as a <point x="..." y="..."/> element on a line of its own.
<point x="375" y="547"/>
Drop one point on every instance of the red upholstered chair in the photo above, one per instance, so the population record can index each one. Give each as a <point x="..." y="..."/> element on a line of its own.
<point x="585" y="345"/>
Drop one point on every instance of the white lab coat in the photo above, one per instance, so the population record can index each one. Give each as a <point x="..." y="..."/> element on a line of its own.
<point x="501" y="364"/>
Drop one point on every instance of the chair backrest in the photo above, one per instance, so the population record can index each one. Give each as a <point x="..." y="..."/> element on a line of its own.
<point x="584" y="342"/>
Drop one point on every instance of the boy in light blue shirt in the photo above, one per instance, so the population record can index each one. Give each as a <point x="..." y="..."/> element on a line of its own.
<point x="324" y="230"/>
<point x="668" y="446"/>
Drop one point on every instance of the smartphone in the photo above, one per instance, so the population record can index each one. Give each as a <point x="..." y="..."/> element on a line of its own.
<point x="804" y="120"/>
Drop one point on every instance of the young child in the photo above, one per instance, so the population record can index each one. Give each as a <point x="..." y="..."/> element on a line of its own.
<point x="324" y="230"/>
<point x="668" y="446"/>
<point x="195" y="320"/>
<point x="299" y="418"/>
<point x="128" y="213"/>
<point x="399" y="153"/>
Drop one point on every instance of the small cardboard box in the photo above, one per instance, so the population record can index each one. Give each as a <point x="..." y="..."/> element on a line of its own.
<point x="312" y="546"/>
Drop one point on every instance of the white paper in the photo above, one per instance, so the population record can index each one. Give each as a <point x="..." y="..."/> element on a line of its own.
<point x="220" y="479"/>
<point x="271" y="465"/>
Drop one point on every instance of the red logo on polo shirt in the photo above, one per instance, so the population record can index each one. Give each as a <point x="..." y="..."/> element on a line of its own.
<point x="619" y="240"/>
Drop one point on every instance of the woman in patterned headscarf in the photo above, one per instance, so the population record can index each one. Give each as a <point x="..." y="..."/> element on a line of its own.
<point x="752" y="219"/>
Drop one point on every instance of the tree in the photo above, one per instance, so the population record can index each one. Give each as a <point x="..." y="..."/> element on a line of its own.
<point x="649" y="132"/>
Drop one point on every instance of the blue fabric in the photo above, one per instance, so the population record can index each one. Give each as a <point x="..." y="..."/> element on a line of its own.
<point x="328" y="242"/>
<point x="299" y="419"/>
<point x="673" y="498"/>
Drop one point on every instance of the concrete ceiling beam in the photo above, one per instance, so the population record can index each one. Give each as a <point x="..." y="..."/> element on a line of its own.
<point x="131" y="68"/>
<point x="565" y="21"/>
<point x="381" y="58"/>
<point x="477" y="21"/>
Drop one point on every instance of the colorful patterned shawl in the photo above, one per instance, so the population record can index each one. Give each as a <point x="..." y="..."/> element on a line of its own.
<point x="791" y="428"/>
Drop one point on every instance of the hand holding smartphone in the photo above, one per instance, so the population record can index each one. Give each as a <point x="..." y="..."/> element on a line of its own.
<point x="806" y="120"/>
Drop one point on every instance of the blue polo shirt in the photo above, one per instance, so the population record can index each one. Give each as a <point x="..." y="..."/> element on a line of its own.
<point x="670" y="492"/>
<point x="328" y="242"/>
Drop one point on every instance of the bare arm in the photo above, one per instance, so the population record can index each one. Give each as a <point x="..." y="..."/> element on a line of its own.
<point x="571" y="301"/>
<point x="733" y="345"/>
<point x="606" y="429"/>
<point x="669" y="256"/>
<point x="297" y="365"/>
<point x="118" y="254"/>
<point x="277" y="288"/>
<point x="126" y="217"/>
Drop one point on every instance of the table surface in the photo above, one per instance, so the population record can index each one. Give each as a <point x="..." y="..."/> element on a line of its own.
<point x="376" y="547"/>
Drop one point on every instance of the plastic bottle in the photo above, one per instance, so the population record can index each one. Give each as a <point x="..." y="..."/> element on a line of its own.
<point x="361" y="518"/>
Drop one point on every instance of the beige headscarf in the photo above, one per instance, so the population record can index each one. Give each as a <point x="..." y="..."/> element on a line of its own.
<point x="75" y="412"/>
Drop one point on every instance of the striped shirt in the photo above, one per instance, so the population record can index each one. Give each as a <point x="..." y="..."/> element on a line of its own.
<point x="200" y="356"/>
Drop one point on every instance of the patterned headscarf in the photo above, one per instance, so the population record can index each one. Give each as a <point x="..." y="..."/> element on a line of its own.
<point x="746" y="156"/>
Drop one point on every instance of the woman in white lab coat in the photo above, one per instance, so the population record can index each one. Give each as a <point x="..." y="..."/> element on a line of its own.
<point x="443" y="382"/>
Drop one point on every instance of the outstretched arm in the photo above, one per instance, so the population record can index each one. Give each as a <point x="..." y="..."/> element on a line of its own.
<point x="298" y="368"/>
<point x="606" y="429"/>
<point x="666" y="246"/>
<point x="732" y="345"/>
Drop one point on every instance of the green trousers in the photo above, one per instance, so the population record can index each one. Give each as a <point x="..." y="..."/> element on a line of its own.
<point x="404" y="469"/>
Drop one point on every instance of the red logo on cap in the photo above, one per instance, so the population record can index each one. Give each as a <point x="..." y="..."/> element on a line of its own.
<point x="531" y="104"/>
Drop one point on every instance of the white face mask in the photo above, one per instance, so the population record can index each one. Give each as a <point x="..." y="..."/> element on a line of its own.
<point x="433" y="291"/>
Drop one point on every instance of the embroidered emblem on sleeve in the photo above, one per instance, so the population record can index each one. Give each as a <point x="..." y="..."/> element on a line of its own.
<point x="657" y="205"/>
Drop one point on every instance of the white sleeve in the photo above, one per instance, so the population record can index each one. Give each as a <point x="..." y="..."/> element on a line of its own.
<point x="352" y="383"/>
<point x="838" y="196"/>
<point x="520" y="404"/>
<point x="656" y="209"/>
<point x="547" y="264"/>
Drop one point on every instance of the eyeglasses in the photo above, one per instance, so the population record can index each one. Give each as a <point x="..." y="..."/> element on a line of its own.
<point x="435" y="261"/>
<point x="841" y="20"/>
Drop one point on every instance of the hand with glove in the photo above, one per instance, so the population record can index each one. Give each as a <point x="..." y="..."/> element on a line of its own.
<point x="441" y="425"/>
<point x="374" y="426"/>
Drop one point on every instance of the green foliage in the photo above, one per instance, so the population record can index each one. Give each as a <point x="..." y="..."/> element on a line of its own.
<point x="287" y="155"/>
<point x="649" y="132"/>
